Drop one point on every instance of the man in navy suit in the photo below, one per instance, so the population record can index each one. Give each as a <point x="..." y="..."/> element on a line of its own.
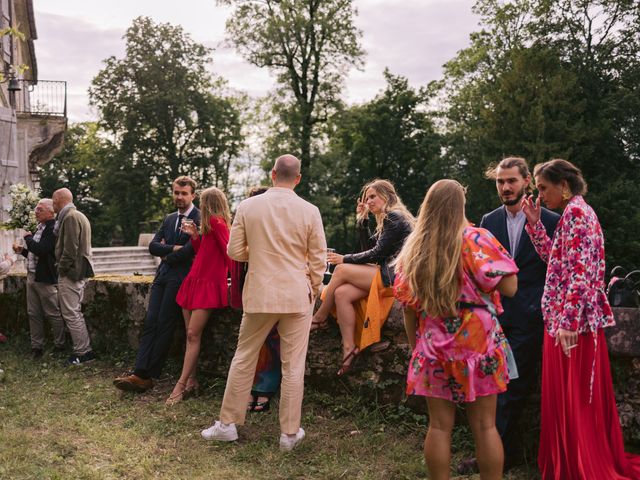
<point x="522" y="318"/>
<point x="174" y="247"/>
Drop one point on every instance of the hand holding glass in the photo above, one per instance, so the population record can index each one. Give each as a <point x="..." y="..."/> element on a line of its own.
<point x="189" y="227"/>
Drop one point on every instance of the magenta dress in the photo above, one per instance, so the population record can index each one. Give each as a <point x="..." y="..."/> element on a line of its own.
<point x="467" y="356"/>
<point x="206" y="284"/>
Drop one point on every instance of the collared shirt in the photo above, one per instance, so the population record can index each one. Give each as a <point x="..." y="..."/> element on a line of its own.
<point x="515" y="224"/>
<point x="184" y="215"/>
<point x="32" y="258"/>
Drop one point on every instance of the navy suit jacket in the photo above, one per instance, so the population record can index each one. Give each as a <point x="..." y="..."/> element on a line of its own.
<point x="179" y="262"/>
<point x="523" y="309"/>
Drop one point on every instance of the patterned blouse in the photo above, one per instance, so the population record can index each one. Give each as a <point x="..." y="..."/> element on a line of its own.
<point x="574" y="292"/>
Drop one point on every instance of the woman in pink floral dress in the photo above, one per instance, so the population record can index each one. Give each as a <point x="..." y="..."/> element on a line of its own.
<point x="450" y="276"/>
<point x="580" y="435"/>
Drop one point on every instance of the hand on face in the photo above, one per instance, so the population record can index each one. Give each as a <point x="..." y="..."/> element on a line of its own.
<point x="531" y="209"/>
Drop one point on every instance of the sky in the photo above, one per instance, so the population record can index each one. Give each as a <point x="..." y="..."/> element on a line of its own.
<point x="413" y="38"/>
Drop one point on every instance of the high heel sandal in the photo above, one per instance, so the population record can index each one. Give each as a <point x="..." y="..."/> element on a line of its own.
<point x="176" y="397"/>
<point x="192" y="390"/>
<point x="257" y="406"/>
<point x="346" y="367"/>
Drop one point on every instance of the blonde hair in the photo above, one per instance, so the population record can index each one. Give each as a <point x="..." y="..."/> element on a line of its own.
<point x="392" y="202"/>
<point x="213" y="202"/>
<point x="431" y="257"/>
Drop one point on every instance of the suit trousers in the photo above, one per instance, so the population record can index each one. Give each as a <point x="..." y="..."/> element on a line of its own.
<point x="526" y="344"/>
<point x="294" y="340"/>
<point x="42" y="302"/>
<point x="159" y="326"/>
<point x="70" y="295"/>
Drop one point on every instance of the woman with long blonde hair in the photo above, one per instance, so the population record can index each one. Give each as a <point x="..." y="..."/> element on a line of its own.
<point x="205" y="287"/>
<point x="366" y="276"/>
<point x="449" y="276"/>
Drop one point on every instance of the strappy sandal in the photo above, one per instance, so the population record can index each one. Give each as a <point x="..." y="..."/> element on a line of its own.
<point x="192" y="390"/>
<point x="177" y="397"/>
<point x="257" y="406"/>
<point x="350" y="358"/>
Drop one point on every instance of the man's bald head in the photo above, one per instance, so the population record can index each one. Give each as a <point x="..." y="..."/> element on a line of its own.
<point x="61" y="198"/>
<point x="286" y="170"/>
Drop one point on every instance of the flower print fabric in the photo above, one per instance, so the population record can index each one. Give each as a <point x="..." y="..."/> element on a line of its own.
<point x="464" y="357"/>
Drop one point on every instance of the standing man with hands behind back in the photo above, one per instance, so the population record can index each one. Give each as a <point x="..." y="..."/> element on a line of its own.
<point x="174" y="247"/>
<point x="73" y="255"/>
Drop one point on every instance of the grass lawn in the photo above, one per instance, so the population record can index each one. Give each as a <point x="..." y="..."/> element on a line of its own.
<point x="70" y="423"/>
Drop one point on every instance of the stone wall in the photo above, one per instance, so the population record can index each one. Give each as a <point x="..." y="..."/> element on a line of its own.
<point x="115" y="309"/>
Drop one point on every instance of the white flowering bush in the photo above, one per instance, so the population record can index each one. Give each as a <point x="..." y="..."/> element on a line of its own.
<point x="23" y="204"/>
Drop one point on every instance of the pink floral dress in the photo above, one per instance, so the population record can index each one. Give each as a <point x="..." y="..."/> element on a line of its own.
<point x="467" y="356"/>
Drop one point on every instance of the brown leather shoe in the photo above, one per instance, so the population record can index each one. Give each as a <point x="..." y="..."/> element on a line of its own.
<point x="133" y="383"/>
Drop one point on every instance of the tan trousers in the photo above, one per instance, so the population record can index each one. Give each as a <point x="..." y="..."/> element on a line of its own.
<point x="294" y="339"/>
<point x="42" y="302"/>
<point x="70" y="297"/>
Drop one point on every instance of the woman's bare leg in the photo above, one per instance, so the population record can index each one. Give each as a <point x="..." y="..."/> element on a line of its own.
<point x="357" y="275"/>
<point x="345" y="295"/>
<point x="437" y="444"/>
<point x="489" y="452"/>
<point x="197" y="321"/>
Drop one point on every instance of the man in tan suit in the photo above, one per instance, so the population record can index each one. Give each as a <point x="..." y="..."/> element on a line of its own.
<point x="282" y="238"/>
<point x="73" y="257"/>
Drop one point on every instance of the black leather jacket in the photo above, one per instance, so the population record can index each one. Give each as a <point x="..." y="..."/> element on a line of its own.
<point x="382" y="249"/>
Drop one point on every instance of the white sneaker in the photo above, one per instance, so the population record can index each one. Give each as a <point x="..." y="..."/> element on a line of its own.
<point x="221" y="432"/>
<point x="289" y="442"/>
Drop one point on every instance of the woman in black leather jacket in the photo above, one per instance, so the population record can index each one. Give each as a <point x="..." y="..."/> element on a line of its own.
<point x="358" y="274"/>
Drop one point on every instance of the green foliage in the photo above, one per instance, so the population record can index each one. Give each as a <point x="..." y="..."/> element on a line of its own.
<point x="546" y="80"/>
<point x="167" y="116"/>
<point x="310" y="45"/>
<point x="391" y="137"/>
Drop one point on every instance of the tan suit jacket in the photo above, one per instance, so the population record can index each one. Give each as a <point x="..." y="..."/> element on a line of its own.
<point x="282" y="238"/>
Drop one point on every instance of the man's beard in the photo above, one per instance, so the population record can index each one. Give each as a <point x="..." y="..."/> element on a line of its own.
<point x="510" y="203"/>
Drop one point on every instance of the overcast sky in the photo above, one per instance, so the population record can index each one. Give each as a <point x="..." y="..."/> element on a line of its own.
<point x="411" y="37"/>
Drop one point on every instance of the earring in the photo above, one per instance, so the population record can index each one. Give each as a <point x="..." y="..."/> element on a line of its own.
<point x="566" y="195"/>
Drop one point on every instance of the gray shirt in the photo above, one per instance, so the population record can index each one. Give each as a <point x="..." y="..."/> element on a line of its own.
<point x="515" y="224"/>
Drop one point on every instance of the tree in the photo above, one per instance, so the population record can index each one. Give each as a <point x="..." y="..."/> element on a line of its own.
<point x="548" y="79"/>
<point x="78" y="167"/>
<point x="391" y="137"/>
<point x="310" y="45"/>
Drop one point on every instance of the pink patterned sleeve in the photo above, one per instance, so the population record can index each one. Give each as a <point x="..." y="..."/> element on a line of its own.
<point x="541" y="241"/>
<point x="577" y="248"/>
<point x="486" y="260"/>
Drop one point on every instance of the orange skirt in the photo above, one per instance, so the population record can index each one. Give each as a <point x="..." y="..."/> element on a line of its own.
<point x="371" y="312"/>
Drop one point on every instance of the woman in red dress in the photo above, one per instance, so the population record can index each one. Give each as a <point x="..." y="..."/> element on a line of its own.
<point x="580" y="434"/>
<point x="205" y="287"/>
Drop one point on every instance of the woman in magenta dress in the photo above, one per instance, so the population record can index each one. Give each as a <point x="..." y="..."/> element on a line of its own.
<point x="205" y="287"/>
<point x="450" y="276"/>
<point x="580" y="434"/>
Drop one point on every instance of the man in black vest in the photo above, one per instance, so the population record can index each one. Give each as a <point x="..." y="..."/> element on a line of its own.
<point x="42" y="280"/>
<point x="522" y="318"/>
<point x="174" y="247"/>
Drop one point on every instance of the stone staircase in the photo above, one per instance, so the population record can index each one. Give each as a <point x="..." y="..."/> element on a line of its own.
<point x="123" y="261"/>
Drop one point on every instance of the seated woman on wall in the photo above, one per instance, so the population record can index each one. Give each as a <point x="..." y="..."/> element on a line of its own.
<point x="367" y="275"/>
<point x="205" y="287"/>
<point x="449" y="276"/>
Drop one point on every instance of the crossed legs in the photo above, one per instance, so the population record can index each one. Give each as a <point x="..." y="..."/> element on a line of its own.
<point x="349" y="283"/>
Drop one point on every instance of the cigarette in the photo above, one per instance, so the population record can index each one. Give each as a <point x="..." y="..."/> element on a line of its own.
<point x="572" y="346"/>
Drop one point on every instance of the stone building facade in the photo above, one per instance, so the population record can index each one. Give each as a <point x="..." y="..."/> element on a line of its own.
<point x="33" y="116"/>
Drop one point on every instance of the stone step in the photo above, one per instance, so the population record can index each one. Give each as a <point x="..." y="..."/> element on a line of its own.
<point x="124" y="258"/>
<point x="117" y="270"/>
<point x="123" y="261"/>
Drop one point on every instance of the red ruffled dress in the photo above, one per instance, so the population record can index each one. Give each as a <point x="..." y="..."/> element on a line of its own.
<point x="206" y="284"/>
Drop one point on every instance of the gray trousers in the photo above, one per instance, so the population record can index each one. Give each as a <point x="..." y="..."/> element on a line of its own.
<point x="70" y="299"/>
<point x="42" y="302"/>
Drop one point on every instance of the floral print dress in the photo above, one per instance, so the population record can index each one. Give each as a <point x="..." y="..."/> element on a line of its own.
<point x="467" y="356"/>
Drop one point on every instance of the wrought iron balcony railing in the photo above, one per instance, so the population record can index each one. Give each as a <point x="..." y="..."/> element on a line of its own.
<point x="47" y="98"/>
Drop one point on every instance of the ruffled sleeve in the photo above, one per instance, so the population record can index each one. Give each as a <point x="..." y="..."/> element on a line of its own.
<point x="485" y="260"/>
<point x="402" y="292"/>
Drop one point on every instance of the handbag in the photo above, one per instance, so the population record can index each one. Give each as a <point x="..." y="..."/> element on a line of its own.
<point x="624" y="291"/>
